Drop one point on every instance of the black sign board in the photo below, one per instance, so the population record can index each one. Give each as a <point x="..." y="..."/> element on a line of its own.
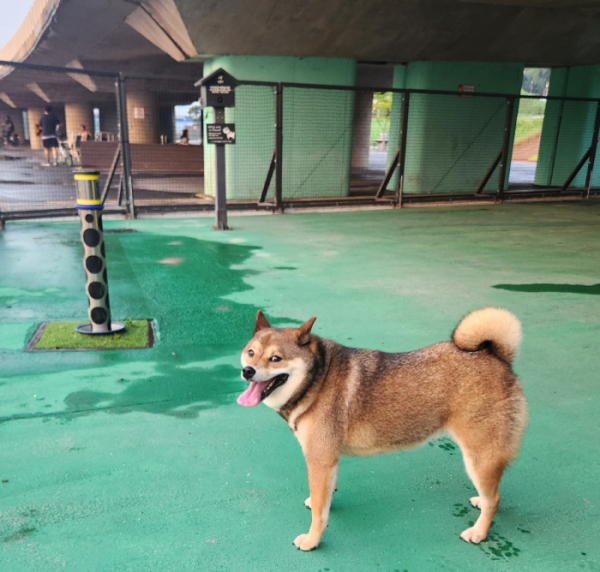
<point x="218" y="89"/>
<point x="220" y="133"/>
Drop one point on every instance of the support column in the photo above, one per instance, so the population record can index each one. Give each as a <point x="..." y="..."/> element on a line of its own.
<point x="109" y="119"/>
<point x="317" y="127"/>
<point x="142" y="113"/>
<point x="76" y="115"/>
<point x="361" y="134"/>
<point x="16" y="116"/>
<point x="34" y="115"/>
<point x="452" y="139"/>
<point x="568" y="126"/>
<point x="551" y="127"/>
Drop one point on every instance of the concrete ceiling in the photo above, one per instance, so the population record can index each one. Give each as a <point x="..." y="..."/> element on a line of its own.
<point x="95" y="34"/>
<point x="100" y="35"/>
<point x="534" y="32"/>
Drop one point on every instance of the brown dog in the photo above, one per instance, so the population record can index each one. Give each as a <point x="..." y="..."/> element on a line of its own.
<point x="342" y="401"/>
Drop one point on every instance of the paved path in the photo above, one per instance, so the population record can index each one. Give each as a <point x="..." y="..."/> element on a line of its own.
<point x="141" y="460"/>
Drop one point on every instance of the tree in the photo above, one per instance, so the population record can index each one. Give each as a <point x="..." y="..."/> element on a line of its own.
<point x="195" y="114"/>
<point x="536" y="80"/>
<point x="382" y="107"/>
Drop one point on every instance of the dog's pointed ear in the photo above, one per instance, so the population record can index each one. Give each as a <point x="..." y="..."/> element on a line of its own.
<point x="304" y="332"/>
<point x="261" y="322"/>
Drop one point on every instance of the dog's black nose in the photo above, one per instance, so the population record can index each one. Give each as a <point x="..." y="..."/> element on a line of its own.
<point x="248" y="372"/>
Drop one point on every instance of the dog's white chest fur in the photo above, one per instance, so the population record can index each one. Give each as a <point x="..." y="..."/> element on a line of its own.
<point x="297" y="373"/>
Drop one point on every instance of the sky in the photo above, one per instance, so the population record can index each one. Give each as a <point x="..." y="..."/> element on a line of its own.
<point x="13" y="13"/>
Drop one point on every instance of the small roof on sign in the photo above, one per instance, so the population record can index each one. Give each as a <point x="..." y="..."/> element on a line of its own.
<point x="218" y="77"/>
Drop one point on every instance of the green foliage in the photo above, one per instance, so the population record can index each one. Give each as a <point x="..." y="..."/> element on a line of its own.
<point x="194" y="113"/>
<point x="536" y="80"/>
<point x="527" y="127"/>
<point x="382" y="108"/>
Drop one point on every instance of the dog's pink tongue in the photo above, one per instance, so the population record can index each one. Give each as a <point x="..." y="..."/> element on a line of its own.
<point x="251" y="397"/>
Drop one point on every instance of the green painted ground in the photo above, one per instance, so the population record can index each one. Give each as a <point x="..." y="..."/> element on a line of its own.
<point x="142" y="461"/>
<point x="62" y="335"/>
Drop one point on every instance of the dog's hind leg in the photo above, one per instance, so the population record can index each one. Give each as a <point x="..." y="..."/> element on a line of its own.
<point x="485" y="471"/>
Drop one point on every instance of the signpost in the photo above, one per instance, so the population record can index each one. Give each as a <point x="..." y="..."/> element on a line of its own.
<point x="217" y="90"/>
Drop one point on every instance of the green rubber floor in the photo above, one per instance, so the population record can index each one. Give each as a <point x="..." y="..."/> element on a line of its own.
<point x="141" y="460"/>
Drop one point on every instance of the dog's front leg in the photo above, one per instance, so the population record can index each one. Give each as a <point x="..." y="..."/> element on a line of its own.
<point x="322" y="479"/>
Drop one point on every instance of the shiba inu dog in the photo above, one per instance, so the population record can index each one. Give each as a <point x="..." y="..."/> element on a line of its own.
<point x="342" y="401"/>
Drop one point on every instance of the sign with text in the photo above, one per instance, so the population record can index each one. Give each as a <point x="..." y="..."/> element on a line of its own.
<point x="220" y="133"/>
<point x="218" y="89"/>
<point x="466" y="90"/>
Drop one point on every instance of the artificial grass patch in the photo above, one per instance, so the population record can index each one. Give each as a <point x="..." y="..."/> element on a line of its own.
<point x="62" y="336"/>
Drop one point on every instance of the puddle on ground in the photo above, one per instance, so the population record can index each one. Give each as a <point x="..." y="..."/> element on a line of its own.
<point x="593" y="289"/>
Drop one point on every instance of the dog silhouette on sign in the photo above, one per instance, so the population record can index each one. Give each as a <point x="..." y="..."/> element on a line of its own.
<point x="229" y="133"/>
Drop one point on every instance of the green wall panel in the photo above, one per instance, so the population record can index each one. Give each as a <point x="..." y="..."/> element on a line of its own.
<point x="452" y="140"/>
<point x="317" y="127"/>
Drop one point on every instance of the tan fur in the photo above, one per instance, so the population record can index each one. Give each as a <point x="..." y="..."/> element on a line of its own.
<point x="343" y="401"/>
<point x="490" y="324"/>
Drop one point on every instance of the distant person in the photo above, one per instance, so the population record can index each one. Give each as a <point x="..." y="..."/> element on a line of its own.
<point x="185" y="138"/>
<point x="8" y="129"/>
<point x="85" y="134"/>
<point x="48" y="124"/>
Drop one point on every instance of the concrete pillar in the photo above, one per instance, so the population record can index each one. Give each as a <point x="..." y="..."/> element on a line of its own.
<point x="76" y="115"/>
<point x="317" y="127"/>
<point x="361" y="134"/>
<point x="453" y="140"/>
<point x="34" y="115"/>
<point x="16" y="116"/>
<point x="142" y="117"/>
<point x="570" y="125"/>
<point x="551" y="127"/>
<point x="109" y="120"/>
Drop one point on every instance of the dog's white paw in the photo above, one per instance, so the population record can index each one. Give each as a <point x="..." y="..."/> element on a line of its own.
<point x="475" y="502"/>
<point x="303" y="542"/>
<point x="472" y="535"/>
<point x="307" y="503"/>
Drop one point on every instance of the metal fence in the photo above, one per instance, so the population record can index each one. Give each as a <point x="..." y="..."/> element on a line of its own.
<point x="296" y="144"/>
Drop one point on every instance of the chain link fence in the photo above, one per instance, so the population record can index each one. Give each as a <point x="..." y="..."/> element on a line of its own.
<point x="296" y="145"/>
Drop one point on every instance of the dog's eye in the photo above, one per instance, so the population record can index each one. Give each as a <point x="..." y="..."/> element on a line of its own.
<point x="251" y="353"/>
<point x="275" y="358"/>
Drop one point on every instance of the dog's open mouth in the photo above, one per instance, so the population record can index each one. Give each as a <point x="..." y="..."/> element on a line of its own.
<point x="260" y="390"/>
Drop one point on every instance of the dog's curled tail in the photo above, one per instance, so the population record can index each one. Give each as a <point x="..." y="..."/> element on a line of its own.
<point x="493" y="327"/>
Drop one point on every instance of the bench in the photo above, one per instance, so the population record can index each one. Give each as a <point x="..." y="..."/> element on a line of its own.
<point x="145" y="158"/>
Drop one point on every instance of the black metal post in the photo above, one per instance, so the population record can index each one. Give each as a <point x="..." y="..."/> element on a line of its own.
<point x="125" y="149"/>
<point x="593" y="148"/>
<point x="388" y="176"/>
<point x="111" y="174"/>
<point x="279" y="146"/>
<point x="220" y="194"/>
<point x="510" y="105"/>
<point x="402" y="147"/>
<point x="267" y="183"/>
<point x="576" y="170"/>
<point x="489" y="173"/>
